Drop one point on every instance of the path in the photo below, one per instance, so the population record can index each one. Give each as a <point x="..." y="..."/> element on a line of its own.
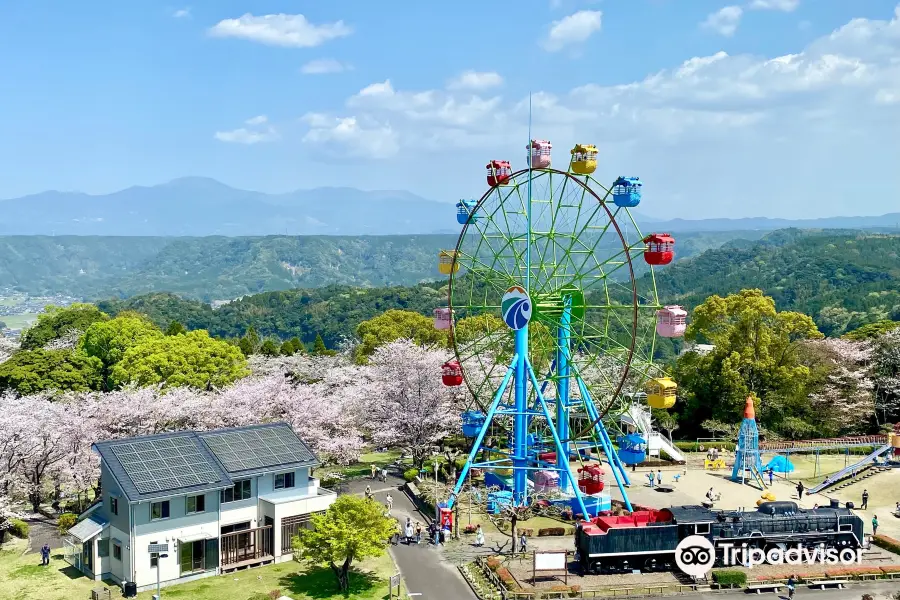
<point x="428" y="575"/>
<point x="42" y="530"/>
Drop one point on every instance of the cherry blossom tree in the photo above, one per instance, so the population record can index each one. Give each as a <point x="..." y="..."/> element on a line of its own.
<point x="408" y="406"/>
<point x="845" y="400"/>
<point x="7" y="348"/>
<point x="886" y="363"/>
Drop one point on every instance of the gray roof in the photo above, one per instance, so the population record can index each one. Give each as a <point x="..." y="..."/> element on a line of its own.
<point x="256" y="449"/>
<point x="159" y="466"/>
<point x="188" y="462"/>
<point x="88" y="528"/>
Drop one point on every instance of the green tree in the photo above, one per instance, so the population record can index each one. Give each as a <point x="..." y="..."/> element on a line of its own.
<point x="33" y="371"/>
<point x="175" y="328"/>
<point x="269" y="348"/>
<point x="298" y="345"/>
<point x="287" y="348"/>
<point x="56" y="321"/>
<point x="108" y="341"/>
<point x="193" y="359"/>
<point x="394" y="325"/>
<point x="319" y="348"/>
<point x="756" y="351"/>
<point x="350" y="530"/>
<point x="871" y="331"/>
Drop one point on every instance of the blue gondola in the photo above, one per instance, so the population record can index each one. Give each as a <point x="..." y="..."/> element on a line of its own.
<point x="632" y="449"/>
<point x="472" y="422"/>
<point x="626" y="191"/>
<point x="464" y="208"/>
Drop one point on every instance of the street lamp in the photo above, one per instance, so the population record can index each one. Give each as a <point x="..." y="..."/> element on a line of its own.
<point x="160" y="551"/>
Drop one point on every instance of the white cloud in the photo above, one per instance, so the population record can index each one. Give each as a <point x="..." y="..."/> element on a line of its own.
<point x="252" y="134"/>
<point x="182" y="13"/>
<point x="766" y="135"/>
<point x="322" y="66"/>
<point x="724" y="21"/>
<point x="474" y="80"/>
<point x="573" y="29"/>
<point x="782" y="5"/>
<point x="292" y="31"/>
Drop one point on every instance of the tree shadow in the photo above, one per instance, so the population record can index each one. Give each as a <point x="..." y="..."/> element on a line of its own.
<point x="320" y="582"/>
<point x="72" y="573"/>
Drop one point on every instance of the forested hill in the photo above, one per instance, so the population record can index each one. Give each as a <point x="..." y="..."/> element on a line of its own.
<point x="223" y="268"/>
<point x="841" y="279"/>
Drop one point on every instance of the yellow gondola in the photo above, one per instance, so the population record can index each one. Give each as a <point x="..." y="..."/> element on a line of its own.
<point x="447" y="262"/>
<point x="584" y="159"/>
<point x="661" y="392"/>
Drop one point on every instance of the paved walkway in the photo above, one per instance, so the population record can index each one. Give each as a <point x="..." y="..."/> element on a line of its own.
<point x="426" y="571"/>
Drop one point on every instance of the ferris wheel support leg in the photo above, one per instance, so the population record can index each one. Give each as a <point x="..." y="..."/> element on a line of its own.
<point x="559" y="446"/>
<point x="562" y="393"/>
<point x="616" y="466"/>
<point x="520" y="422"/>
<point x="476" y="445"/>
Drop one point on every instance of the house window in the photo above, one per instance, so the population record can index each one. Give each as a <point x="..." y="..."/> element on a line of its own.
<point x="117" y="551"/>
<point x="240" y="491"/>
<point x="154" y="558"/>
<point x="159" y="510"/>
<point x="195" y="504"/>
<point x="114" y="505"/>
<point x="103" y="548"/>
<point x="284" y="480"/>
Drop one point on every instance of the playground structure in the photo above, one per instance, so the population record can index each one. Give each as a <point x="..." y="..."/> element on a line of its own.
<point x="747" y="461"/>
<point x="558" y="329"/>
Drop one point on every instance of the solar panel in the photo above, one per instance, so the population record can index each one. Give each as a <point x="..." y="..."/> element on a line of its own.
<point x="164" y="464"/>
<point x="264" y="447"/>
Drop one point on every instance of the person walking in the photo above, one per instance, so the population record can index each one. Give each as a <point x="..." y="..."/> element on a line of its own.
<point x="659" y="477"/>
<point x="865" y="500"/>
<point x="771" y="475"/>
<point x="390" y="502"/>
<point x="383" y="475"/>
<point x="479" y="536"/>
<point x="418" y="533"/>
<point x="45" y="554"/>
<point x="800" y="490"/>
<point x="523" y="543"/>
<point x="874" y="525"/>
<point x="374" y="469"/>
<point x="368" y="492"/>
<point x="791" y="583"/>
<point x="408" y="531"/>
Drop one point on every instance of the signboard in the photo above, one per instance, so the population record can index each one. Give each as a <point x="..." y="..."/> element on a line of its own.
<point x="158" y="548"/>
<point x="395" y="580"/>
<point x="551" y="561"/>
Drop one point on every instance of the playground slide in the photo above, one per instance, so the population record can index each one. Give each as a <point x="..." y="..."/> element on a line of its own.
<point x="639" y="418"/>
<point x="663" y="444"/>
<point x="848" y="471"/>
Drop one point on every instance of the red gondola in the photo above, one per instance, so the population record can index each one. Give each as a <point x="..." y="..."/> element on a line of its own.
<point x="590" y="480"/>
<point x="498" y="172"/>
<point x="660" y="249"/>
<point x="451" y="373"/>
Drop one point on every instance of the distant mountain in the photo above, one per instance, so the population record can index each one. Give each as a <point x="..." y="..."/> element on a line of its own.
<point x="198" y="206"/>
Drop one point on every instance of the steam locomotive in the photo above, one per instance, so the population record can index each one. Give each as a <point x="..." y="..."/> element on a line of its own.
<point x="646" y="540"/>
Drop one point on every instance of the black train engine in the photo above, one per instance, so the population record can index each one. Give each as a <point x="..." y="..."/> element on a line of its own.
<point x="646" y="540"/>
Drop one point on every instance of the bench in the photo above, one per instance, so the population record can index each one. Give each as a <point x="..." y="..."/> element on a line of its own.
<point x="822" y="583"/>
<point x="759" y="588"/>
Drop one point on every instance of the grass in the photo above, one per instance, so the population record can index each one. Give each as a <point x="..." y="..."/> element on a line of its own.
<point x="364" y="466"/>
<point x="18" y="321"/>
<point x="23" y="578"/>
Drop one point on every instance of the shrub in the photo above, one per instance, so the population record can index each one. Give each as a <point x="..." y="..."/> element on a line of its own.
<point x="509" y="582"/>
<point x="18" y="528"/>
<point x="410" y="474"/>
<point x="574" y="591"/>
<point x="259" y="596"/>
<point x="65" y="522"/>
<point x="888" y="543"/>
<point x="726" y="577"/>
<point x="275" y="594"/>
<point x="548" y="531"/>
<point x="890" y="569"/>
<point x="853" y="571"/>
<point x="695" y="447"/>
<point x="470" y="528"/>
<point x="493" y="563"/>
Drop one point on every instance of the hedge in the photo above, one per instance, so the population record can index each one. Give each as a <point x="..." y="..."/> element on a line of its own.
<point x="18" y="528"/>
<point x="65" y="522"/>
<point x="853" y="571"/>
<point x="695" y="447"/>
<point x="410" y="474"/>
<point x="729" y="577"/>
<point x="888" y="543"/>
<point x="548" y="531"/>
<point x="507" y="579"/>
<point x="493" y="563"/>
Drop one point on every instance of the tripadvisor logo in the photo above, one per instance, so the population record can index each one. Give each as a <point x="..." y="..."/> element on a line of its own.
<point x="695" y="555"/>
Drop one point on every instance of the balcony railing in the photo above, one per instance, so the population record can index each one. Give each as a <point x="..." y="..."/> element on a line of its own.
<point x="247" y="547"/>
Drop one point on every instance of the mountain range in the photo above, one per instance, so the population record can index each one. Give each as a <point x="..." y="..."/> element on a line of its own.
<point x="198" y="206"/>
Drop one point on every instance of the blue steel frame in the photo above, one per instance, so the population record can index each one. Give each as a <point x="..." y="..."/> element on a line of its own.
<point x="521" y="371"/>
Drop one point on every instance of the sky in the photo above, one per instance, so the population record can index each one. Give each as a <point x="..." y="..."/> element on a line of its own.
<point x="779" y="108"/>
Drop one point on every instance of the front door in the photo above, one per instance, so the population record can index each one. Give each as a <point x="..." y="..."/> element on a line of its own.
<point x="192" y="556"/>
<point x="87" y="555"/>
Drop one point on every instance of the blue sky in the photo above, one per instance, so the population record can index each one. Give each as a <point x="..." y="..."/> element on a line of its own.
<point x="766" y="107"/>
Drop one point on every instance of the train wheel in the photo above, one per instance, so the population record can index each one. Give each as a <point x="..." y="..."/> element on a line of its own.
<point x="651" y="565"/>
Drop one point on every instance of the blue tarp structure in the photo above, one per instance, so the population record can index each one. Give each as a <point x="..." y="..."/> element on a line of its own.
<point x="780" y="464"/>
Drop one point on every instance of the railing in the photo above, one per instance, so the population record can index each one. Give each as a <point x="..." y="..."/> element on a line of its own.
<point x="246" y="546"/>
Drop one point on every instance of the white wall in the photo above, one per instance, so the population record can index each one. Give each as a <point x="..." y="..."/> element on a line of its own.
<point x="242" y="510"/>
<point x="120" y="569"/>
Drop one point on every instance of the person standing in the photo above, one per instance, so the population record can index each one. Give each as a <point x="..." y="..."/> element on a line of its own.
<point x="479" y="536"/>
<point x="523" y="543"/>
<point x="408" y="531"/>
<point x="368" y="492"/>
<point x="45" y="554"/>
<point x="383" y="475"/>
<point x="791" y="582"/>
<point x="650" y="477"/>
<point x="865" y="500"/>
<point x="800" y="490"/>
<point x="874" y="525"/>
<point x="659" y="477"/>
<point x="418" y="533"/>
<point x="771" y="475"/>
<point x="374" y="469"/>
<point x="390" y="502"/>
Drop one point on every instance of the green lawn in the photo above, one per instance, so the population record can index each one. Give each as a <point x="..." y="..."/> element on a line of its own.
<point x="23" y="578"/>
<point x="19" y="321"/>
<point x="363" y="466"/>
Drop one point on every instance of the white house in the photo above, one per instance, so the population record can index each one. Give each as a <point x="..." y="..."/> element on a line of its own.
<point x="221" y="500"/>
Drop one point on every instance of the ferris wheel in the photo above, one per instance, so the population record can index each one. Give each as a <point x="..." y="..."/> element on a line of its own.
<point x="552" y="265"/>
